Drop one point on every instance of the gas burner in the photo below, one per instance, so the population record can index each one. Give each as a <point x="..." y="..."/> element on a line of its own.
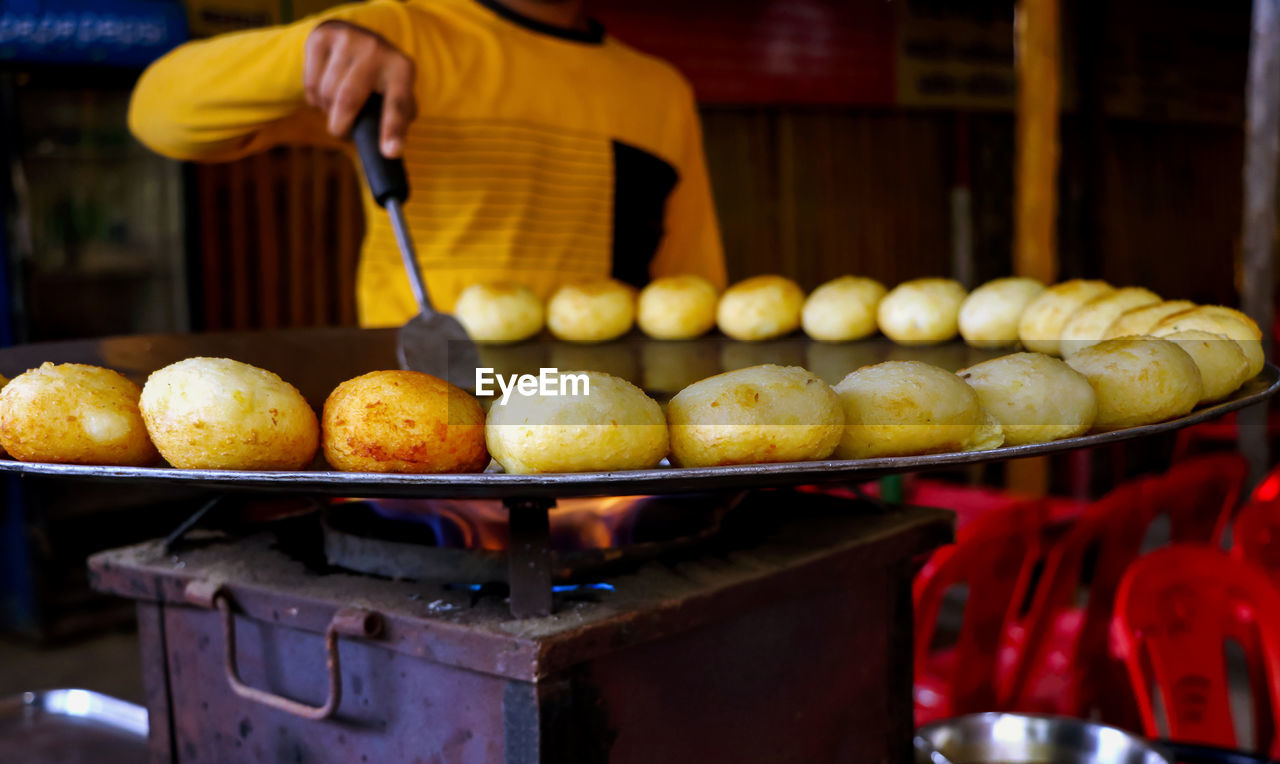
<point x="468" y="542"/>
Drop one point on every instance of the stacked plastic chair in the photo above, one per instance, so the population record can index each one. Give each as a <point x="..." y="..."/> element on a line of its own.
<point x="994" y="557"/>
<point x="1176" y="610"/>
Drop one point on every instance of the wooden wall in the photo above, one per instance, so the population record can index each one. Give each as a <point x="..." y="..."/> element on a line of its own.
<point x="1170" y="209"/>
<point x="808" y="193"/>
<point x="278" y="235"/>
<point x="814" y="195"/>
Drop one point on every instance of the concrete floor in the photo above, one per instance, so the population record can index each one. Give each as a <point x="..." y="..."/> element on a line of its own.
<point x="109" y="663"/>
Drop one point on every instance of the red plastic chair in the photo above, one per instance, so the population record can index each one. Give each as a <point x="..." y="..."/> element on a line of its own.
<point x="995" y="557"/>
<point x="1065" y="665"/>
<point x="1176" y="609"/>
<point x="1256" y="534"/>
<point x="1218" y="434"/>
<point x="1199" y="495"/>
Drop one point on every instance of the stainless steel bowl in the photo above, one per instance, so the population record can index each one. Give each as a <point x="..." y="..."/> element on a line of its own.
<point x="996" y="738"/>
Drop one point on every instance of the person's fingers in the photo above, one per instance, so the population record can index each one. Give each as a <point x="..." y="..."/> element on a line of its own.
<point x="398" y="106"/>
<point x="351" y="93"/>
<point x="335" y="71"/>
<point x="314" y="63"/>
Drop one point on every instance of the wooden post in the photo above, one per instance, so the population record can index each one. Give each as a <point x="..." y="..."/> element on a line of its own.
<point x="1262" y="134"/>
<point x="1039" y="65"/>
<point x="1037" y="34"/>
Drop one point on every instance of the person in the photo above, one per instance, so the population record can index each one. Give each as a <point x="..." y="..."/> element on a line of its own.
<point x="538" y="148"/>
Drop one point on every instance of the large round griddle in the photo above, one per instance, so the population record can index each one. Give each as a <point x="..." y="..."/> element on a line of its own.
<point x="317" y="360"/>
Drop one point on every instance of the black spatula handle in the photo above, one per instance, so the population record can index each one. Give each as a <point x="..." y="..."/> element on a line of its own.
<point x="387" y="178"/>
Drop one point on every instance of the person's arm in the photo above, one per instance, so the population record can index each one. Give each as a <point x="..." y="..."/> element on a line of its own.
<point x="229" y="96"/>
<point x="691" y="242"/>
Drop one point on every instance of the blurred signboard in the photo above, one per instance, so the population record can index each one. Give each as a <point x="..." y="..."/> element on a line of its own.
<point x="211" y="17"/>
<point x="955" y="55"/>
<point x="820" y="52"/>
<point x="128" y="33"/>
<point x="1174" y="60"/>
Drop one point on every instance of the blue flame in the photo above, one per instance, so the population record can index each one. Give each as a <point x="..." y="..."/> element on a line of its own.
<point x="557" y="588"/>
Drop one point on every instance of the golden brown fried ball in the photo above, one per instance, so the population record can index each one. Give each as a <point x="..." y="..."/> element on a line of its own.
<point x="989" y="315"/>
<point x="499" y="312"/>
<point x="754" y="415"/>
<point x="1086" y="326"/>
<point x="1222" y="363"/>
<point x="843" y="309"/>
<point x="903" y="408"/>
<point x="1040" y="327"/>
<point x="597" y="311"/>
<point x="922" y="311"/>
<point x="1035" y="397"/>
<point x="1139" y="322"/>
<point x="403" y="421"/>
<point x="74" y="414"/>
<point x="1139" y="380"/>
<point x="760" y="308"/>
<point x="3" y="381"/>
<point x="607" y="424"/>
<point x="220" y="414"/>
<point x="677" y="307"/>
<point x="1219" y="319"/>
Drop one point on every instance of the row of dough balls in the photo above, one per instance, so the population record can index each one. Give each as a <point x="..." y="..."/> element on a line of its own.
<point x="1057" y="320"/>
<point x="216" y="413"/>
<point x="671" y="308"/>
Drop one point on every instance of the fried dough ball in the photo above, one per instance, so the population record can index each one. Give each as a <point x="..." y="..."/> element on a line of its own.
<point x="499" y="312"/>
<point x="1035" y="397"/>
<point x="220" y="414"/>
<point x="922" y="311"/>
<point x="677" y="308"/>
<point x="842" y="309"/>
<point x="1041" y="325"/>
<point x="607" y="424"/>
<point x="755" y="415"/>
<point x="1086" y="326"/>
<point x="403" y="421"/>
<point x="1139" y="380"/>
<point x="1220" y="320"/>
<point x="989" y="315"/>
<point x="903" y="408"/>
<point x="74" y="414"/>
<point x="760" y="308"/>
<point x="1222" y="363"/>
<point x="3" y="381"/>
<point x="597" y="311"/>
<point x="1137" y="322"/>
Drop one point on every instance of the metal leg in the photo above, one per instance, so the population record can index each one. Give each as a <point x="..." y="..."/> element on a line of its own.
<point x="529" y="556"/>
<point x="172" y="541"/>
<point x="1262" y="120"/>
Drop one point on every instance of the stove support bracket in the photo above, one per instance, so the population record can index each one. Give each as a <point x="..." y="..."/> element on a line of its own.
<point x="529" y="556"/>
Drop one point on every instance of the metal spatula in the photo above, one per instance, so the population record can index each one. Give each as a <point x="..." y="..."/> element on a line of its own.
<point x="431" y="342"/>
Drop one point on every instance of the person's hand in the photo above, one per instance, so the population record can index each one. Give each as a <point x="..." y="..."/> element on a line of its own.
<point x="345" y="64"/>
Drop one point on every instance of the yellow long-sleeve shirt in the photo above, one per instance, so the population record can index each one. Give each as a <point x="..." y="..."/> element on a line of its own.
<point x="540" y="155"/>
